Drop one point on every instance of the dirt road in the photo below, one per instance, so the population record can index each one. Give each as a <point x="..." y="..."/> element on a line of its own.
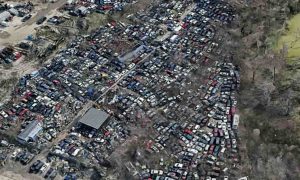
<point x="45" y="11"/>
<point x="17" y="173"/>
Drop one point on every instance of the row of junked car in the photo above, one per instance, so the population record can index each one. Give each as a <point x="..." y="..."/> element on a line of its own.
<point x="82" y="8"/>
<point x="197" y="143"/>
<point x="72" y="80"/>
<point x="66" y="82"/>
<point x="127" y="102"/>
<point x="210" y="136"/>
<point x="41" y="167"/>
<point x="216" y="113"/>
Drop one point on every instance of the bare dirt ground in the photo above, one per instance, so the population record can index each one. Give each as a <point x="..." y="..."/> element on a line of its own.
<point x="18" y="31"/>
<point x="18" y="69"/>
<point x="10" y="175"/>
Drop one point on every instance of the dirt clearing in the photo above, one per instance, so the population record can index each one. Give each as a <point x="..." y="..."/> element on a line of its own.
<point x="18" y="31"/>
<point x="9" y="175"/>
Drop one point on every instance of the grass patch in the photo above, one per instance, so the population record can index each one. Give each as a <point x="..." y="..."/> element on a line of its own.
<point x="291" y="38"/>
<point x="96" y="20"/>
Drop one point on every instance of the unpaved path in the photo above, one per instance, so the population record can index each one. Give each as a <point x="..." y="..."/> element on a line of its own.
<point x="9" y="175"/>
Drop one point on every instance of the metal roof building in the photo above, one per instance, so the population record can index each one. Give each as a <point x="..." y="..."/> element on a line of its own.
<point x="132" y="54"/>
<point x="30" y="132"/>
<point x="94" y="118"/>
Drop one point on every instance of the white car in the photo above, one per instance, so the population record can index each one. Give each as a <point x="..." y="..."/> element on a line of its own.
<point x="234" y="143"/>
<point x="226" y="134"/>
<point x="227" y="111"/>
<point x="178" y="165"/>
<point x="44" y="167"/>
<point x="196" y="176"/>
<point x="3" y="114"/>
<point x="210" y="134"/>
<point x="206" y="137"/>
<point x="212" y="157"/>
<point x="207" y="147"/>
<point x="14" y="154"/>
<point x="194" y="151"/>
<point x="47" y="136"/>
<point x="131" y="65"/>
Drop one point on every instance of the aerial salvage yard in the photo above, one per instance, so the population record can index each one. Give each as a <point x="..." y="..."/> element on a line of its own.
<point x="152" y="97"/>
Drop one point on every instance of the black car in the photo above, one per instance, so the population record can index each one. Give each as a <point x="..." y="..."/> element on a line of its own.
<point x="49" y="172"/>
<point x="27" y="158"/>
<point x="34" y="165"/>
<point x="41" y="20"/>
<point x="20" y="155"/>
<point x="39" y="166"/>
<point x="25" y="18"/>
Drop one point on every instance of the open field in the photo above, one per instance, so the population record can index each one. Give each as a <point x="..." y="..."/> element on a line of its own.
<point x="291" y="38"/>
